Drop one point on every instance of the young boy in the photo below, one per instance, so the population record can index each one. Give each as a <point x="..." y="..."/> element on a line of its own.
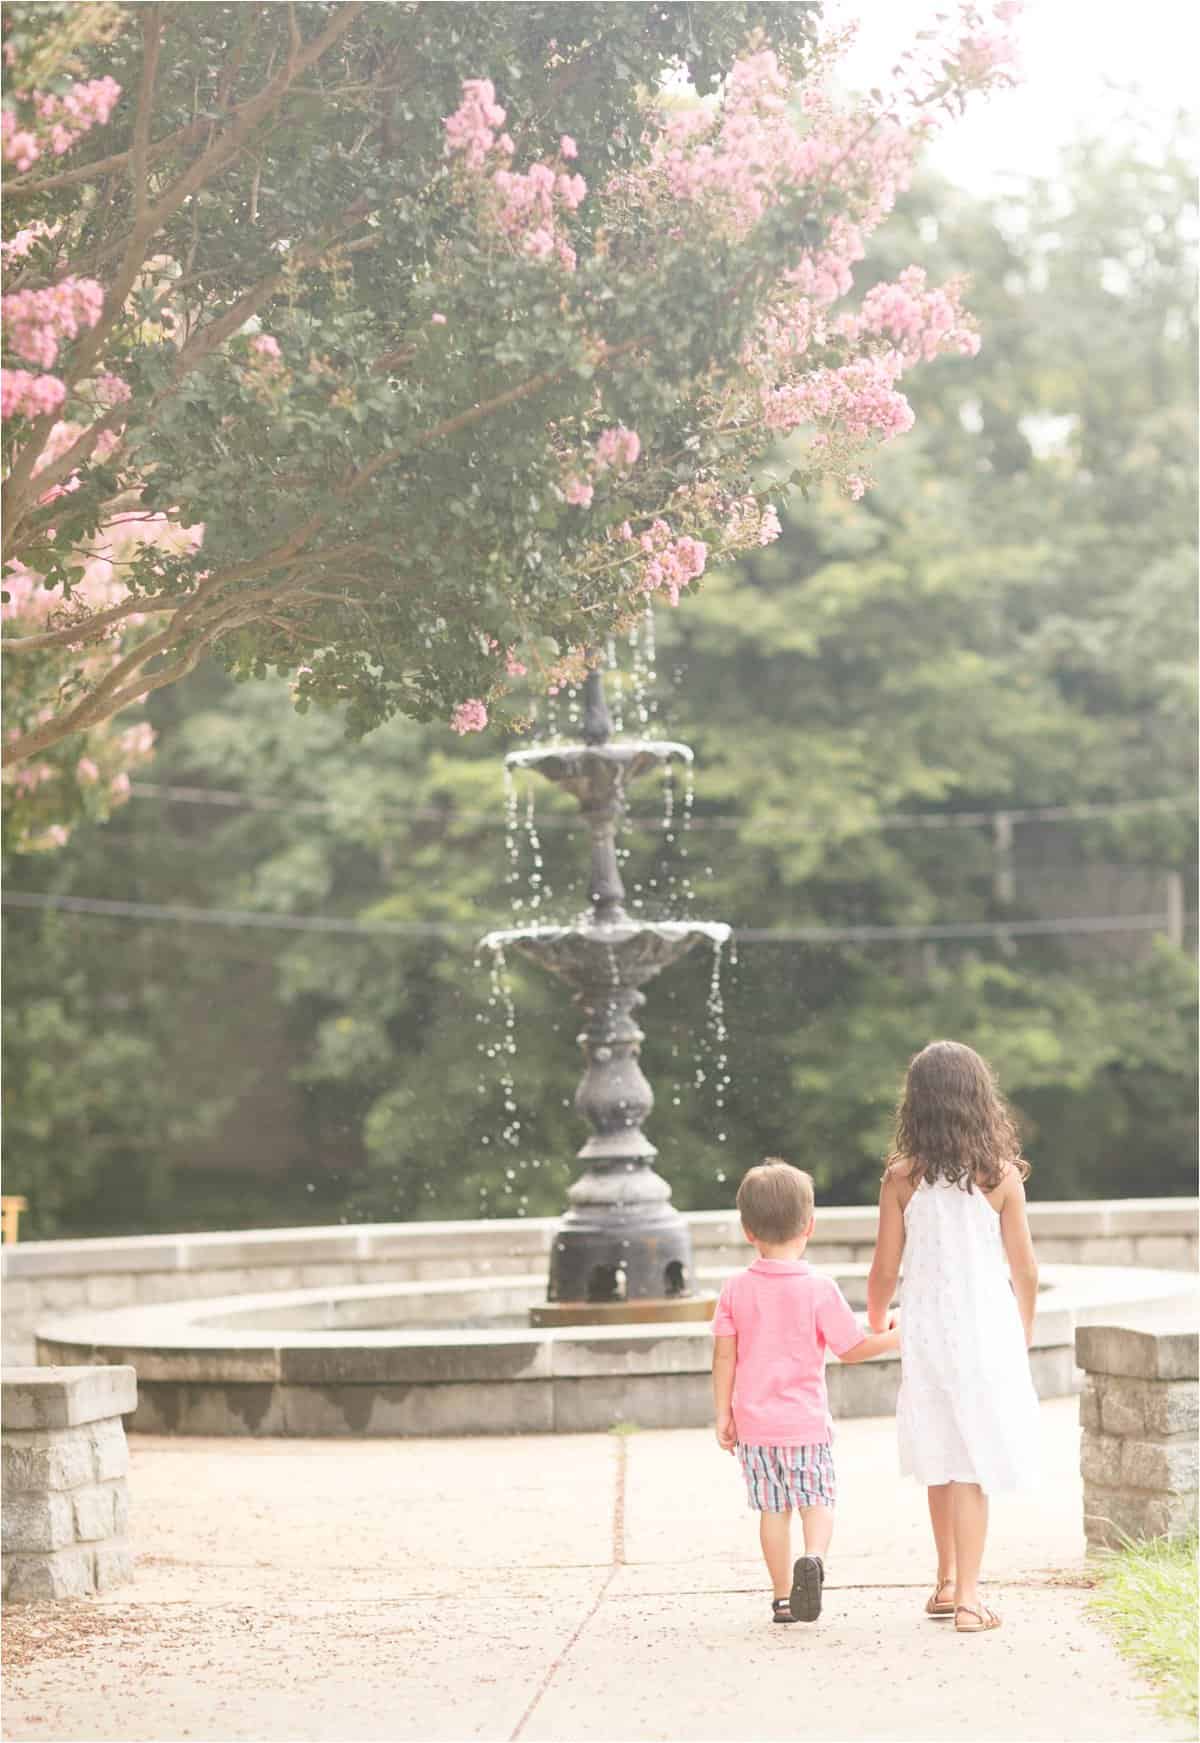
<point x="770" y="1331"/>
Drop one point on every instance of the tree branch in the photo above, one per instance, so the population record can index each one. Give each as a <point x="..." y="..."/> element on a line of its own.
<point x="90" y="629"/>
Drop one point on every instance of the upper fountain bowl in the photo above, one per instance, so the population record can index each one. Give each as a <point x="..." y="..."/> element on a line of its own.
<point x="576" y="766"/>
<point x="621" y="953"/>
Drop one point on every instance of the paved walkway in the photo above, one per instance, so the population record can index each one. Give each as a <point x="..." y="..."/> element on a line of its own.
<point x="560" y="1587"/>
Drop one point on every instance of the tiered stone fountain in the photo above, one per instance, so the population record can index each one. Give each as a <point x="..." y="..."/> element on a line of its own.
<point x="622" y="1252"/>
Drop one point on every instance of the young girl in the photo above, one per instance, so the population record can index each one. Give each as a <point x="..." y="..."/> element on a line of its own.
<point x="953" y="1204"/>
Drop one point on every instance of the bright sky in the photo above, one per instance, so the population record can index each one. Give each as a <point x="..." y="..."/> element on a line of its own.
<point x="1074" y="53"/>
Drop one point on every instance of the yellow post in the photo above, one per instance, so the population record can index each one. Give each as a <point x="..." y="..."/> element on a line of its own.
<point x="10" y="1216"/>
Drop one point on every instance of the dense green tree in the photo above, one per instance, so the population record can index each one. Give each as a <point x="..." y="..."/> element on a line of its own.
<point x="1002" y="623"/>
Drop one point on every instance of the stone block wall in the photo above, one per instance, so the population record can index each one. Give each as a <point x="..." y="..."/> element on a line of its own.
<point x="1138" y="1413"/>
<point x="66" y="1500"/>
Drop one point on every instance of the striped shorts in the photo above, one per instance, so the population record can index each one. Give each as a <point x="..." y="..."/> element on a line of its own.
<point x="779" y="1478"/>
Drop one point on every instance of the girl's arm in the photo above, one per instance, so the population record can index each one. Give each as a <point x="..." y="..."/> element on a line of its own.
<point x="1018" y="1249"/>
<point x="724" y="1362"/>
<point x="889" y="1247"/>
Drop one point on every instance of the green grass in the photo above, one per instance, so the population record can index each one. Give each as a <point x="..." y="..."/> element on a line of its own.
<point x="1147" y="1596"/>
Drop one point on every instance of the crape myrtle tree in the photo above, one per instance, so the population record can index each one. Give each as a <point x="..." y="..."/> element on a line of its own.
<point x="405" y="348"/>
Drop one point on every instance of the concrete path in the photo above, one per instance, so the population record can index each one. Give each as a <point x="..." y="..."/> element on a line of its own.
<point x="557" y="1587"/>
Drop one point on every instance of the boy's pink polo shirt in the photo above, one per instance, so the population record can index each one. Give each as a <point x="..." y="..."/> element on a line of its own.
<point x="784" y="1315"/>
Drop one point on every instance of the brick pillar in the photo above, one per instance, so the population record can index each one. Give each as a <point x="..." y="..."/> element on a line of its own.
<point x="66" y="1503"/>
<point x="1138" y="1414"/>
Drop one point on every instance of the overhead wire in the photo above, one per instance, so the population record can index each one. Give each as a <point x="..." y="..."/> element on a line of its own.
<point x="103" y="907"/>
<point x="232" y="799"/>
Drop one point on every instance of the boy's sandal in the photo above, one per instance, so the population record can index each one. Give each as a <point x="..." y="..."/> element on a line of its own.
<point x="781" y="1610"/>
<point x="937" y="1607"/>
<point x="808" y="1581"/>
<point x="985" y="1620"/>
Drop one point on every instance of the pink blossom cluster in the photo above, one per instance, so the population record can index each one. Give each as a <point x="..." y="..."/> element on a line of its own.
<point x="64" y="435"/>
<point x="740" y="162"/>
<point x="528" y="207"/>
<point x="525" y="206"/>
<point x="20" y="245"/>
<point x="110" y="390"/>
<point x="859" y="398"/>
<point x="671" y="562"/>
<point x="138" y="741"/>
<point x="472" y="129"/>
<point x="265" y="345"/>
<point x="922" y="323"/>
<point x="512" y="665"/>
<point x="469" y="716"/>
<point x="37" y="320"/>
<point x="749" y="522"/>
<point x="109" y="551"/>
<point x="23" y="395"/>
<point x="62" y="120"/>
<point x="617" y="448"/>
<point x="969" y="49"/>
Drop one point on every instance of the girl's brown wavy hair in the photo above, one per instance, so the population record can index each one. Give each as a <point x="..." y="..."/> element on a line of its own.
<point x="952" y="1123"/>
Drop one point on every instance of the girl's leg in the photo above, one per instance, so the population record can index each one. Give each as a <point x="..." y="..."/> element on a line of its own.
<point x="969" y="1507"/>
<point x="941" y="1517"/>
<point x="775" y="1535"/>
<point x="818" y="1529"/>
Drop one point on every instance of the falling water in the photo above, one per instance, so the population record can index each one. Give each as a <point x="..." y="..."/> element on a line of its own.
<point x="718" y="1038"/>
<point x="668" y="835"/>
<point x="643" y="676"/>
<point x="504" y="1047"/>
<point x="539" y="889"/>
<point x="512" y="844"/>
<point x="686" y="890"/>
<point x="617" y="682"/>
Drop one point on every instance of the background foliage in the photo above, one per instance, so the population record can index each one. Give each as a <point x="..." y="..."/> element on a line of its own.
<point x="1005" y="621"/>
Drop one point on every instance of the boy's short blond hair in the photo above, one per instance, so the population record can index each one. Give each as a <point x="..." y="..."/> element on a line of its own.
<point x="775" y="1201"/>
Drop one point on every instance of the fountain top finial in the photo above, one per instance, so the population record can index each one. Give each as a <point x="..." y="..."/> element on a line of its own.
<point x="597" y="721"/>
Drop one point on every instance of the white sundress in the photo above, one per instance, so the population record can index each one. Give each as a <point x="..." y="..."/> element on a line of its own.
<point x="967" y="1410"/>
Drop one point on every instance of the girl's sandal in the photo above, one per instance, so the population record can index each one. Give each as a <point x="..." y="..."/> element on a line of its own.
<point x="937" y="1607"/>
<point x="781" y="1610"/>
<point x="985" y="1620"/>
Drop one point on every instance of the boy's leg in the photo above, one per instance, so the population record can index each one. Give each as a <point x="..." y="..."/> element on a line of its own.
<point x="818" y="1530"/>
<point x="775" y="1535"/>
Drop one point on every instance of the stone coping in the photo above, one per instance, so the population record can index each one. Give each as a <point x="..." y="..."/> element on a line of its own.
<point x="195" y="1341"/>
<point x="1150" y="1348"/>
<point x="66" y="1397"/>
<point x="516" y="1237"/>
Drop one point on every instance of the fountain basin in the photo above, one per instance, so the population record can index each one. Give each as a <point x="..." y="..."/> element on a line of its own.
<point x="451" y="1357"/>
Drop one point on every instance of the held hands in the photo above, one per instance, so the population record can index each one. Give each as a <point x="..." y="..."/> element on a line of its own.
<point x="726" y="1431"/>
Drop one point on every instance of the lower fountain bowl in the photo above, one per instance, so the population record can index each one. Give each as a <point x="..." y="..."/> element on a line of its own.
<point x="664" y="1310"/>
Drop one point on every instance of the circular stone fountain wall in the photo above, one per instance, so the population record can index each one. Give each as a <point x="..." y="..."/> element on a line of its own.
<point x="458" y="1357"/>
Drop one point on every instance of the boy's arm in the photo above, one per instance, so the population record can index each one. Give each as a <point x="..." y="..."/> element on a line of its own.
<point x="876" y="1343"/>
<point x="885" y="1265"/>
<point x="840" y="1330"/>
<point x="723" y="1364"/>
<point x="1018" y="1250"/>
